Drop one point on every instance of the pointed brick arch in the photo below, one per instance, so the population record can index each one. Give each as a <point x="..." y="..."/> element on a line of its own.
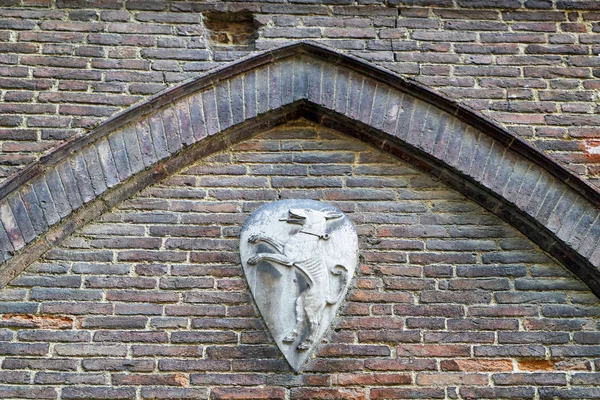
<point x="87" y="176"/>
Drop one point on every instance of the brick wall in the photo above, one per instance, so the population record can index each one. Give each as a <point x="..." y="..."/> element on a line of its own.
<point x="531" y="65"/>
<point x="149" y="301"/>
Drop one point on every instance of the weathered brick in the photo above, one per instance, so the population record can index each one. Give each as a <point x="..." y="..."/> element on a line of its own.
<point x="117" y="147"/>
<point x="82" y="177"/>
<point x="47" y="281"/>
<point x="460" y="378"/>
<point x="65" y="294"/>
<point x="41" y="196"/>
<point x="120" y="282"/>
<point x="527" y="297"/>
<point x="483" y="324"/>
<point x="53" y="378"/>
<point x="176" y="54"/>
<point x="204" y="337"/>
<point x="24" y="349"/>
<point x="193" y="365"/>
<point x="549" y="284"/>
<point x="433" y="350"/>
<point x="174" y="393"/>
<point x="311" y="393"/>
<point x="275" y="87"/>
<point x="110" y="322"/>
<point x="69" y="183"/>
<point x="87" y="350"/>
<point x="55" y="364"/>
<point x="407" y="393"/>
<point x="54" y="336"/>
<point x="477" y="365"/>
<point x="169" y="118"/>
<point x="554" y="379"/>
<point x="28" y="392"/>
<point x="496" y="392"/>
<point x="533" y="337"/>
<point x="509" y="351"/>
<point x="130" y="336"/>
<point x="378" y="336"/>
<point x="88" y="392"/>
<point x="108" y="364"/>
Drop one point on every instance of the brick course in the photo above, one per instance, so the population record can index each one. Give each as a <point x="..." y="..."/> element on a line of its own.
<point x="455" y="311"/>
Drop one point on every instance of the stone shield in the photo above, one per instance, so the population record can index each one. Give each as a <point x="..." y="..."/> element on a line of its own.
<point x="299" y="257"/>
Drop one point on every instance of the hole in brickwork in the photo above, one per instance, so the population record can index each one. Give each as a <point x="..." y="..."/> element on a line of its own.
<point x="231" y="29"/>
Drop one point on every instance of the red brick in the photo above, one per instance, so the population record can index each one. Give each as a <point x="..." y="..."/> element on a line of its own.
<point x="447" y="378"/>
<point x="274" y="393"/>
<point x="373" y="379"/>
<point x="326" y="393"/>
<point x="429" y="350"/>
<point x="477" y="365"/>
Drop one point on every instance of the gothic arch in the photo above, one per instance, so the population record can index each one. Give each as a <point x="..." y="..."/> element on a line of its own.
<point x="89" y="175"/>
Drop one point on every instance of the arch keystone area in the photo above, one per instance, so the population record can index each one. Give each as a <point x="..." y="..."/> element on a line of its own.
<point x="87" y="176"/>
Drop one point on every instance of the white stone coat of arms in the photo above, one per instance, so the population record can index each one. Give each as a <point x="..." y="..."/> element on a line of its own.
<point x="299" y="257"/>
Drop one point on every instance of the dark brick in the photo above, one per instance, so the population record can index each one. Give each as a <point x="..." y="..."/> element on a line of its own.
<point x="497" y="392"/>
<point x="54" y="364"/>
<point x="174" y="393"/>
<point x="145" y="142"/>
<point x="169" y="118"/>
<point x="41" y="196"/>
<point x="130" y="336"/>
<point x="110" y="322"/>
<point x="108" y="364"/>
<point x="21" y="217"/>
<point x="483" y="324"/>
<point x="572" y="393"/>
<point x="458" y="337"/>
<point x="47" y="281"/>
<point x="18" y="308"/>
<point x="585" y="378"/>
<point x="533" y="337"/>
<point x="65" y="294"/>
<point x="54" y="336"/>
<point x="204" y="337"/>
<point x="82" y="177"/>
<point x="583" y="226"/>
<point x="28" y="392"/>
<point x="491" y="270"/>
<point x="408" y="393"/>
<point x="586" y="337"/>
<point x="176" y="54"/>
<point x="227" y="323"/>
<point x="70" y="185"/>
<point x="548" y="284"/>
<point x="85" y="392"/>
<point x="54" y="378"/>
<point x="526" y="297"/>
<point x="509" y="351"/>
<point x="132" y="149"/>
<point x="76" y="308"/>
<point x="236" y="90"/>
<point x="24" y="349"/>
<point x="193" y="365"/>
<point x="117" y="147"/>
